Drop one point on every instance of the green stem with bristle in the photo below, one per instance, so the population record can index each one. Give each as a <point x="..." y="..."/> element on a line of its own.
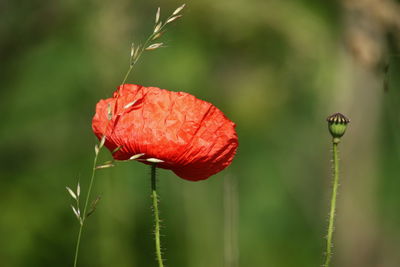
<point x="156" y="215"/>
<point x="329" y="243"/>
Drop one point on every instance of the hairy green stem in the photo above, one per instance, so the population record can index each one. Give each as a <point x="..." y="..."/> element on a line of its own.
<point x="83" y="216"/>
<point x="329" y="243"/>
<point x="156" y="215"/>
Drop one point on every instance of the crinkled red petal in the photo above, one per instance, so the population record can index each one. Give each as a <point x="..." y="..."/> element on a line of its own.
<point x="193" y="138"/>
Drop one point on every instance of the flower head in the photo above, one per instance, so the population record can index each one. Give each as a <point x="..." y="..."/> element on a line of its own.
<point x="187" y="135"/>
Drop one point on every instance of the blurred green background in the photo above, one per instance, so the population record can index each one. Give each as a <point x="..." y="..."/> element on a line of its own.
<point x="276" y="68"/>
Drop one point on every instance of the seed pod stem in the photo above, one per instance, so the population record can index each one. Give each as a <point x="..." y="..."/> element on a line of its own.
<point x="337" y="126"/>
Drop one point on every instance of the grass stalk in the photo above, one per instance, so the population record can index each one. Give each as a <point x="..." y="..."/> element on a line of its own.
<point x="84" y="215"/>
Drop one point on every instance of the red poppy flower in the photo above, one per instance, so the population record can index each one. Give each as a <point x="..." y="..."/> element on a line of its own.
<point x="191" y="137"/>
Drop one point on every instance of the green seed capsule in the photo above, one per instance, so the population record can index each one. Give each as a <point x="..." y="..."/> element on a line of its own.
<point x="337" y="124"/>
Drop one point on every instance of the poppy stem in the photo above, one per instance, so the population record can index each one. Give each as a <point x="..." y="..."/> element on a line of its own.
<point x="329" y="243"/>
<point x="156" y="215"/>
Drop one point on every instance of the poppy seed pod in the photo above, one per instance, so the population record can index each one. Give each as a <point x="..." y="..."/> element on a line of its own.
<point x="337" y="124"/>
<point x="176" y="130"/>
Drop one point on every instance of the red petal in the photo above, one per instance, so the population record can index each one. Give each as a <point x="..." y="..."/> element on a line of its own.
<point x="191" y="136"/>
